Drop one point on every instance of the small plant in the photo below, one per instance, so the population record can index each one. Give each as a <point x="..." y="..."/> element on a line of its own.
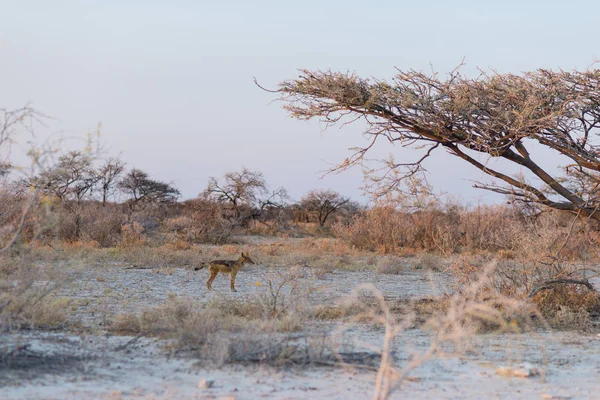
<point x="390" y="265"/>
<point x="132" y="235"/>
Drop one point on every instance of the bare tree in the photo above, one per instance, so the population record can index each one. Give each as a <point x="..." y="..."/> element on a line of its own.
<point x="499" y="116"/>
<point x="140" y="189"/>
<point x="237" y="190"/>
<point x="71" y="179"/>
<point x="245" y="196"/>
<point x="11" y="122"/>
<point x="108" y="175"/>
<point x="322" y="203"/>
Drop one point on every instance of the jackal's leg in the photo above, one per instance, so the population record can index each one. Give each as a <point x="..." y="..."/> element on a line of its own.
<point x="213" y="275"/>
<point x="233" y="274"/>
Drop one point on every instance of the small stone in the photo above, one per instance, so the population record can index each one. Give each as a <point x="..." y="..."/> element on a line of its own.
<point x="206" y="383"/>
<point x="522" y="371"/>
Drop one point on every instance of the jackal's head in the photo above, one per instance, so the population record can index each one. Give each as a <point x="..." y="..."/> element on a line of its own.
<point x="247" y="258"/>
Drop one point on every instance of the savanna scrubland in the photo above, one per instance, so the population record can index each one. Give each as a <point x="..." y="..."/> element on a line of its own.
<point x="412" y="295"/>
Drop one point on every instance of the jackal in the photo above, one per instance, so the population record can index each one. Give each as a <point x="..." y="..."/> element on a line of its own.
<point x="225" y="267"/>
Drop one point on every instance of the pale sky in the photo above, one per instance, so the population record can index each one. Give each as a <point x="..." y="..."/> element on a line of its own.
<point x="171" y="81"/>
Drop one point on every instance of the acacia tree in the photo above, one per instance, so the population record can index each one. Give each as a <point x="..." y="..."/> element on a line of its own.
<point x="108" y="175"/>
<point x="71" y="180"/>
<point x="237" y="189"/>
<point x="140" y="189"/>
<point x="322" y="203"/>
<point x="499" y="116"/>
<point x="246" y="194"/>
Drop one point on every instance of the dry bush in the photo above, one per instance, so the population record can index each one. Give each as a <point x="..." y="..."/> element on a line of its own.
<point x="453" y="323"/>
<point x="203" y="221"/>
<point x="568" y="306"/>
<point x="11" y="208"/>
<point x="390" y="265"/>
<point x="102" y="224"/>
<point x="428" y="262"/>
<point x="262" y="329"/>
<point x="177" y="244"/>
<point x="132" y="235"/>
<point x="165" y="256"/>
<point x="24" y="300"/>
<point x="525" y="280"/>
<point x="380" y="229"/>
<point x="452" y="228"/>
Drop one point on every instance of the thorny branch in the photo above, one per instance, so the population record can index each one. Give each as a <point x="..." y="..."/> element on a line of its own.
<point x="495" y="115"/>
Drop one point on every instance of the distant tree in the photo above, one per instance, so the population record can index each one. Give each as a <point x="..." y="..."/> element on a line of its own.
<point x="494" y="116"/>
<point x="274" y="206"/>
<point x="237" y="189"/>
<point x="246" y="194"/>
<point x="108" y="176"/>
<point x="322" y="203"/>
<point x="140" y="189"/>
<point x="71" y="179"/>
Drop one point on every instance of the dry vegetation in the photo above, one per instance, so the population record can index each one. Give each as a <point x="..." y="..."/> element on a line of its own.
<point x="514" y="267"/>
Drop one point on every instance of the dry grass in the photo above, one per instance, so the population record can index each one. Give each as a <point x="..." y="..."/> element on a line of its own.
<point x="25" y="300"/>
<point x="569" y="307"/>
<point x="453" y="322"/>
<point x="429" y="262"/>
<point x="448" y="229"/>
<point x="390" y="265"/>
<point x="325" y="255"/>
<point x="271" y="328"/>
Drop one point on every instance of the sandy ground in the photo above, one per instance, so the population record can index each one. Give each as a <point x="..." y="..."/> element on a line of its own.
<point x="107" y="291"/>
<point x="93" y="367"/>
<point x="62" y="366"/>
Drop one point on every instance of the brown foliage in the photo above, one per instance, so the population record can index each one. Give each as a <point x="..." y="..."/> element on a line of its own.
<point x="498" y="115"/>
<point x="497" y="229"/>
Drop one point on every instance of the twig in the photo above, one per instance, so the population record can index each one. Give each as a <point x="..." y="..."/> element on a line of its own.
<point x="548" y="285"/>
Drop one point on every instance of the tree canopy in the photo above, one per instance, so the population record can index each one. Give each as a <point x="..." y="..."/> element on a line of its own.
<point x="495" y="115"/>
<point x="138" y="186"/>
<point x="322" y="203"/>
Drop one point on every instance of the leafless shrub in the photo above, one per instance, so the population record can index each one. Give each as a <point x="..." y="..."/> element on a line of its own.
<point x="390" y="265"/>
<point x="231" y="331"/>
<point x="205" y="223"/>
<point x="24" y="288"/>
<point x="102" y="224"/>
<point x="379" y="229"/>
<point x="568" y="306"/>
<point x="285" y="295"/>
<point x="24" y="300"/>
<point x="453" y="323"/>
<point x="132" y="235"/>
<point x="428" y="262"/>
